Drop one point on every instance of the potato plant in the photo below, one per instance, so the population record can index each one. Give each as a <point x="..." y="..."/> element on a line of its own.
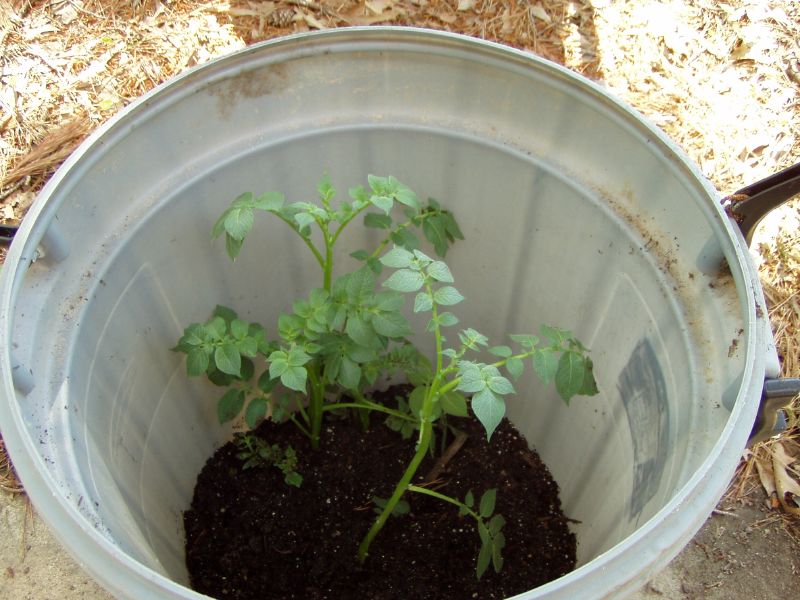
<point x="348" y="335"/>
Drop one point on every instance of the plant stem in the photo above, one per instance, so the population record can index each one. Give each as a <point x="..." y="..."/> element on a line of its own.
<point x="327" y="268"/>
<point x="388" y="238"/>
<point x="300" y="426"/>
<point x="367" y="405"/>
<point x="317" y="254"/>
<point x="439" y="496"/>
<point x="402" y="485"/>
<point x="423" y="445"/>
<point x="316" y="401"/>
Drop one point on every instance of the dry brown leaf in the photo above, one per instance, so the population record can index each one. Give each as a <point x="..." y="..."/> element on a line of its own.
<point x="765" y="475"/>
<point x="538" y="11"/>
<point x="378" y="6"/>
<point x="788" y="489"/>
<point x="313" y="21"/>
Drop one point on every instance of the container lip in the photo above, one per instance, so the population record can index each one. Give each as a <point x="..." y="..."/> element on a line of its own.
<point x="69" y="524"/>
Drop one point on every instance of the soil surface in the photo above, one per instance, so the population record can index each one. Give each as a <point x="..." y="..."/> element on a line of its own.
<point x="249" y="535"/>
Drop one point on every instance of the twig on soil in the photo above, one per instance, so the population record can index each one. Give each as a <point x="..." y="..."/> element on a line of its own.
<point x="445" y="458"/>
<point x="726" y="513"/>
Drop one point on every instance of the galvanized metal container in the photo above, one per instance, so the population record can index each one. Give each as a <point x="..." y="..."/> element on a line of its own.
<point x="576" y="212"/>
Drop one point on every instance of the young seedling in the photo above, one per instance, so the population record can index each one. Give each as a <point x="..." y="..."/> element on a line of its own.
<point x="256" y="452"/>
<point x="349" y="334"/>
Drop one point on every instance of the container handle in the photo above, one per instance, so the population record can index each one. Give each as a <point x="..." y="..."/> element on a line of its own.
<point x="777" y="393"/>
<point x="751" y="203"/>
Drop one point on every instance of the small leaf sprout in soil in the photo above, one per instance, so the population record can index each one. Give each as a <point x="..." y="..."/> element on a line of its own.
<point x="350" y="334"/>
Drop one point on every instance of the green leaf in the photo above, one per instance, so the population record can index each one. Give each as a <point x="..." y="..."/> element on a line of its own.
<point x="405" y="239"/>
<point x="360" y="354"/>
<point x="589" y="387"/>
<point x="325" y="189"/>
<point x="359" y="331"/>
<point x="219" y="226"/>
<point x="304" y="219"/>
<point x="297" y="357"/>
<point x="471" y="378"/>
<point x="472" y="339"/>
<point x="406" y="195"/>
<point x="247" y="369"/>
<point x="484" y="558"/>
<point x="454" y="404"/>
<point x="416" y="399"/>
<point x="239" y="222"/>
<point x="311" y="348"/>
<point x="227" y="358"/>
<point x="451" y="227"/>
<point x="192" y="336"/>
<point x="423" y="302"/>
<point x="248" y="347"/>
<point x="423" y="260"/>
<point x="489" y="409"/>
<point x="391" y="325"/>
<point x="500" y="385"/>
<point x="256" y="411"/>
<point x="239" y="328"/>
<point x="497" y="557"/>
<point x="219" y="378"/>
<point x="398" y="258"/>
<point x="528" y="342"/>
<point x="196" y="361"/>
<point x="293" y="478"/>
<point x="440" y="272"/>
<point x="349" y="374"/>
<point x="436" y="233"/>
<point x="266" y="383"/>
<point x="570" y="375"/>
<point x="401" y="508"/>
<point x="333" y="364"/>
<point x="488" y="501"/>
<point x="374" y="265"/>
<point x="389" y="301"/>
<point x="378" y="184"/>
<point x="227" y="314"/>
<point x="545" y="363"/>
<point x="377" y="221"/>
<point x="405" y="280"/>
<point x="230" y="405"/>
<point x="496" y="524"/>
<point x="447" y="319"/>
<point x="271" y="201"/>
<point x="289" y="327"/>
<point x="277" y="363"/>
<point x="360" y="196"/>
<point x="294" y="378"/>
<point x="233" y="246"/>
<point x="447" y="296"/>
<point x="385" y="203"/>
<point x="360" y="255"/>
<point x="515" y="367"/>
<point x="556" y="335"/>
<point x="215" y="329"/>
<point x="360" y="285"/>
<point x="469" y="499"/>
<point x="501" y="351"/>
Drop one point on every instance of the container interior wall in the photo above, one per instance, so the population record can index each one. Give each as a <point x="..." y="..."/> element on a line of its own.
<point x="572" y="217"/>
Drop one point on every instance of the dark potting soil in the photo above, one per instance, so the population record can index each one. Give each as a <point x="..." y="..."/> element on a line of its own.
<point x="251" y="536"/>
